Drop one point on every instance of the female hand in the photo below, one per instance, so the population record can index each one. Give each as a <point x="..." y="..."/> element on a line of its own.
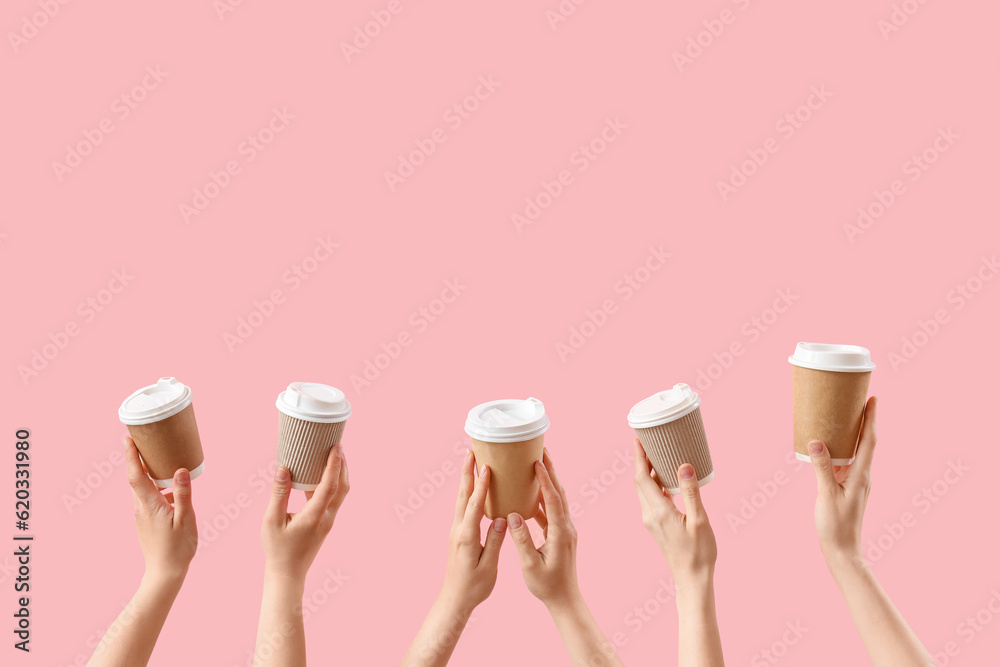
<point x="686" y="539"/>
<point x="842" y="492"/>
<point x="471" y="572"/>
<point x="291" y="541"/>
<point x="549" y="571"/>
<point x="165" y="523"/>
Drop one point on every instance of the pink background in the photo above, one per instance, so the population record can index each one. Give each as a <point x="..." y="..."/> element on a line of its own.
<point x="655" y="185"/>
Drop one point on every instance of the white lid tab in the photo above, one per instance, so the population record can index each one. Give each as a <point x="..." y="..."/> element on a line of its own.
<point x="664" y="406"/>
<point x="314" y="402"/>
<point x="507" y="420"/>
<point x="829" y="357"/>
<point x="156" y="402"/>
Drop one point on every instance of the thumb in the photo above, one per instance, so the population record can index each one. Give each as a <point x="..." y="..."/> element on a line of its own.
<point x="820" y="457"/>
<point x="183" y="509"/>
<point x="277" y="508"/>
<point x="522" y="540"/>
<point x="693" y="507"/>
<point x="494" y="540"/>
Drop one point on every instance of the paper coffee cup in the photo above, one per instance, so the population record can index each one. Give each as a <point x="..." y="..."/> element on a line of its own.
<point x="160" y="419"/>
<point x="507" y="436"/>
<point x="669" y="426"/>
<point x="311" y="419"/>
<point x="829" y="391"/>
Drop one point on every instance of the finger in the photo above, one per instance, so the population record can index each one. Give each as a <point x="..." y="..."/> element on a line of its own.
<point x="550" y="496"/>
<point x="494" y="540"/>
<point x="476" y="510"/>
<point x="820" y="457"/>
<point x="543" y="522"/>
<point x="693" y="507"/>
<point x="465" y="486"/>
<point x="324" y="493"/>
<point x="866" y="445"/>
<point x="547" y="460"/>
<point x="526" y="551"/>
<point x="143" y="489"/>
<point x="183" y="509"/>
<point x="650" y="492"/>
<point x="277" y="508"/>
<point x="344" y="485"/>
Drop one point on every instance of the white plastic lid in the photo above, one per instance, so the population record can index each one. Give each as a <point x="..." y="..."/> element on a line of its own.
<point x="507" y="420"/>
<point x="314" y="402"/>
<point x="157" y="401"/>
<point x="826" y="357"/>
<point x="663" y="407"/>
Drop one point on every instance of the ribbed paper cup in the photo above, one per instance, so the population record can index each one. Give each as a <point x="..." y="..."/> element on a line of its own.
<point x="680" y="441"/>
<point x="170" y="444"/>
<point x="303" y="448"/>
<point x="513" y="486"/>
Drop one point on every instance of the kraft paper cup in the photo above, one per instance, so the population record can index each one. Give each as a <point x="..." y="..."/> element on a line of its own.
<point x="311" y="419"/>
<point x="508" y="436"/>
<point x="829" y="391"/>
<point x="670" y="428"/>
<point x="160" y="419"/>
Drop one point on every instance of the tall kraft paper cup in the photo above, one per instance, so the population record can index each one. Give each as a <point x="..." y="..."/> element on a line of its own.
<point x="160" y="419"/>
<point x="507" y="436"/>
<point x="311" y="419"/>
<point x="669" y="426"/>
<point x="829" y="390"/>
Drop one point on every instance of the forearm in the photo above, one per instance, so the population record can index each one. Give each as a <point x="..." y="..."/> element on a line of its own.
<point x="438" y="636"/>
<point x="281" y="637"/>
<point x="887" y="637"/>
<point x="582" y="636"/>
<point x="699" y="643"/>
<point x="131" y="638"/>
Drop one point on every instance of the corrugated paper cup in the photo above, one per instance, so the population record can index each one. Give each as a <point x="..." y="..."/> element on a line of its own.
<point x="311" y="419"/>
<point x="669" y="426"/>
<point x="829" y="391"/>
<point x="508" y="436"/>
<point x="160" y="419"/>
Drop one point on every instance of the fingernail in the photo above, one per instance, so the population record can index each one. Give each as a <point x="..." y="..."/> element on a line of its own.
<point x="815" y="447"/>
<point x="515" y="521"/>
<point x="482" y="471"/>
<point x="182" y="477"/>
<point x="281" y="475"/>
<point x="125" y="441"/>
<point x="468" y="454"/>
<point x="687" y="472"/>
<point x="499" y="524"/>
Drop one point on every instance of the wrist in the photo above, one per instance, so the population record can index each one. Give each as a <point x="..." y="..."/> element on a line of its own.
<point x="284" y="580"/>
<point x="163" y="580"/>
<point x="565" y="604"/>
<point x="454" y="605"/>
<point x="844" y="561"/>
